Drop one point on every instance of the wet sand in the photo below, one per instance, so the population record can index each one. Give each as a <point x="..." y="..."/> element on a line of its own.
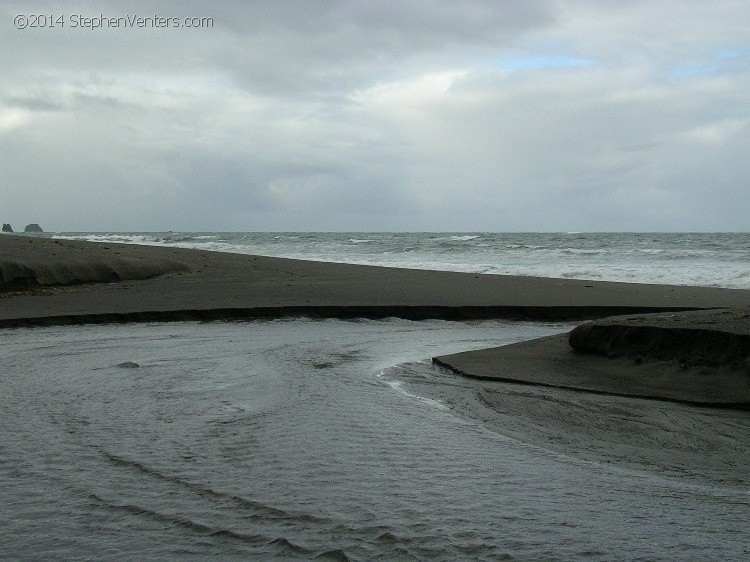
<point x="46" y="281"/>
<point x="698" y="445"/>
<point x="697" y="357"/>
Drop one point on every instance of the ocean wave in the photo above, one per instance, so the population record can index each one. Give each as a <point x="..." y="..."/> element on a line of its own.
<point x="717" y="260"/>
<point x="518" y="246"/>
<point x="114" y="238"/>
<point x="581" y="251"/>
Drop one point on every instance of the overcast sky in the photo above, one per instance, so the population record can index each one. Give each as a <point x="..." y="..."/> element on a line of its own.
<point x="404" y="115"/>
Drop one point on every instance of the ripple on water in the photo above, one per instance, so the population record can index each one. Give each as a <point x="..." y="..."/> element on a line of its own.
<point x="293" y="439"/>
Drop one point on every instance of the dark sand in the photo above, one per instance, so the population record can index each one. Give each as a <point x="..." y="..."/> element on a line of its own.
<point x="698" y="357"/>
<point x="134" y="283"/>
<point x="696" y="338"/>
<point x="45" y="281"/>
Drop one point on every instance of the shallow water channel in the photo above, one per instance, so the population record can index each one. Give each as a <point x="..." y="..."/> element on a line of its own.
<point x="339" y="440"/>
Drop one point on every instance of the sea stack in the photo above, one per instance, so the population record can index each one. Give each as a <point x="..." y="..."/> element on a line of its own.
<point x="33" y="227"/>
<point x="7" y="227"/>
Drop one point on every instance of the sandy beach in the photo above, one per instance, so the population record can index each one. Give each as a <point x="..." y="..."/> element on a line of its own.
<point x="341" y="281"/>
<point x="48" y="281"/>
<point x="632" y="418"/>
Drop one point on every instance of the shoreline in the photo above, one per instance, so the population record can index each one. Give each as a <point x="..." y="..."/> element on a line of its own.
<point x="45" y="281"/>
<point x="71" y="282"/>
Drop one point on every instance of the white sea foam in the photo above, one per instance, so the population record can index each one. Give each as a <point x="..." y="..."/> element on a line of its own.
<point x="718" y="260"/>
<point x="399" y="387"/>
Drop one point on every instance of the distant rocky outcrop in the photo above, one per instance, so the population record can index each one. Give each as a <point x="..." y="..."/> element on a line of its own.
<point x="33" y="227"/>
<point x="7" y="227"/>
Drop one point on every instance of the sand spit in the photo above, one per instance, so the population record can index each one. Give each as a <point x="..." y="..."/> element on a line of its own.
<point x="698" y="357"/>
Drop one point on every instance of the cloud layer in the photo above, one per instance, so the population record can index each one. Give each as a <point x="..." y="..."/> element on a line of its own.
<point x="342" y="115"/>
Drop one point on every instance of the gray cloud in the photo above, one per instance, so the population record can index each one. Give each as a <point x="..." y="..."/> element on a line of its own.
<point x="423" y="115"/>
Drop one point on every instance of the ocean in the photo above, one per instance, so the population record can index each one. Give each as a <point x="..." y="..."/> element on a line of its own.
<point x="304" y="439"/>
<point x="703" y="259"/>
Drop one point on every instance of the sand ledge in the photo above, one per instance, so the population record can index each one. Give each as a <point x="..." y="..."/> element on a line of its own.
<point x="718" y="338"/>
<point x="28" y="262"/>
<point x="690" y="358"/>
